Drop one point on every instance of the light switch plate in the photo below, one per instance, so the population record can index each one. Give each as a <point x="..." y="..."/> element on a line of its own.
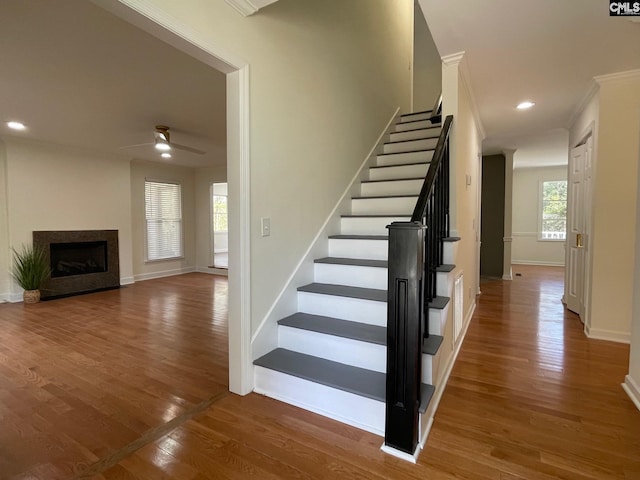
<point x="265" y="224"/>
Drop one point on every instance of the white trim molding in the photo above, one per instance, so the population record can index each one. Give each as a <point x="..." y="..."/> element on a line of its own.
<point x="633" y="390"/>
<point x="249" y="7"/>
<point x="534" y="262"/>
<point x="618" y="77"/>
<point x="164" y="273"/>
<point x="608" y="335"/>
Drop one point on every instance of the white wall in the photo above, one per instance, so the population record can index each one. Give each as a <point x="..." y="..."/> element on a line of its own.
<point x="50" y="187"/>
<point x="632" y="381"/>
<point x="526" y="248"/>
<point x="614" y="206"/>
<point x="427" y="65"/>
<point x="465" y="146"/>
<point x="325" y="78"/>
<point x="141" y="170"/>
<point x="204" y="177"/>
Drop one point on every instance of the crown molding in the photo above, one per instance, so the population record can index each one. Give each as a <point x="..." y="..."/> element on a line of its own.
<point x="594" y="88"/>
<point x="453" y="59"/>
<point x="618" y="76"/>
<point x="249" y="7"/>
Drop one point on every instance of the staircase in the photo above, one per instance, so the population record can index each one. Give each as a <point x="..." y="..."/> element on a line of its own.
<point x="331" y="356"/>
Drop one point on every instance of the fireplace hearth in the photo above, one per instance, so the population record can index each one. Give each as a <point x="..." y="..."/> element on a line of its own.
<point x="81" y="261"/>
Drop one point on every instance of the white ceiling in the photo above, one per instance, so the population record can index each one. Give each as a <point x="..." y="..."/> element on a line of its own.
<point x="547" y="51"/>
<point x="79" y="76"/>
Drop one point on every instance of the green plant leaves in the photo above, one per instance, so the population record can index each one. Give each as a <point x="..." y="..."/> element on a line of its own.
<point x="30" y="266"/>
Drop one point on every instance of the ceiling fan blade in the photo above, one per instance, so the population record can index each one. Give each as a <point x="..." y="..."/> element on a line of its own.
<point x="136" y="145"/>
<point x="187" y="149"/>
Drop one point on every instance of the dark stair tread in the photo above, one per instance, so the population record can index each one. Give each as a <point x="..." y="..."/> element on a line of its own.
<point x="438" y="124"/>
<point x="339" y="328"/>
<point x="345" y="291"/>
<point x="403" y="153"/>
<point x="360" y="237"/>
<point x="426" y="394"/>
<point x="385" y="196"/>
<point x="451" y="239"/>
<point x="445" y="267"/>
<point x="393" y="180"/>
<point x="415" y="113"/>
<point x="431" y="344"/>
<point x="353" y="330"/>
<point x="439" y="302"/>
<point x="359" y="381"/>
<point x="400" y="165"/>
<point x="394" y="142"/>
<point x="433" y="127"/>
<point x="386" y="215"/>
<point x="352" y="261"/>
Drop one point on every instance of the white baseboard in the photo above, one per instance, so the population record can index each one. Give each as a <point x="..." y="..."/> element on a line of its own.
<point x="536" y="262"/>
<point x="9" y="297"/>
<point x="164" y="273"/>
<point x="402" y="455"/>
<point x="213" y="271"/>
<point x="609" y="335"/>
<point x="633" y="390"/>
<point x="507" y="277"/>
<point x="127" y="280"/>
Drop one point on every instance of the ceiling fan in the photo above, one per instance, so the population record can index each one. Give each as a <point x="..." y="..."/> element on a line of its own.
<point x="162" y="142"/>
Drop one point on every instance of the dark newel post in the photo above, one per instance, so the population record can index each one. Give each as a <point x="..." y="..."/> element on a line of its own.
<point x="404" y="334"/>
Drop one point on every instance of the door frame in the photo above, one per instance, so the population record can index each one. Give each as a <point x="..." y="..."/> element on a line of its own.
<point x="155" y="21"/>
<point x="586" y="138"/>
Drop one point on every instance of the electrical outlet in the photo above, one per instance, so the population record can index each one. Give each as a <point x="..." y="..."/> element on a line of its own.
<point x="265" y="224"/>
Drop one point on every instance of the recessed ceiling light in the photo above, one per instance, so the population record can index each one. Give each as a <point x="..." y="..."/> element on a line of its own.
<point x="525" y="105"/>
<point x="16" y="125"/>
<point x="166" y="155"/>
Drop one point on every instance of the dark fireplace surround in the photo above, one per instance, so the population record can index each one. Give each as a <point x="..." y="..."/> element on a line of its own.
<point x="81" y="261"/>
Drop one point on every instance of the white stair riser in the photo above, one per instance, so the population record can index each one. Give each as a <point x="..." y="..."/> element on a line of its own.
<point x="403" y="127"/>
<point x="351" y="275"/>
<point x="412" y="117"/>
<point x="368" y="225"/>
<point x="360" y="412"/>
<point x="397" y="187"/>
<point x="344" y="308"/>
<point x="437" y="321"/>
<point x="404" y="171"/>
<point x="415" y="134"/>
<point x="338" y="349"/>
<point x="361" y="249"/>
<point x="450" y="252"/>
<point x="444" y="285"/>
<point x="375" y="206"/>
<point x="410" y="146"/>
<point x="400" y="158"/>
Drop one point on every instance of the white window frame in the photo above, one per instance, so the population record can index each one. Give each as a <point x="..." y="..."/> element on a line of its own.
<point x="541" y="238"/>
<point x="213" y="213"/>
<point x="180" y="254"/>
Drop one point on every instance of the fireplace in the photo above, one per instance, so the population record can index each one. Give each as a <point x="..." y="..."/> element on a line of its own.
<point x="81" y="261"/>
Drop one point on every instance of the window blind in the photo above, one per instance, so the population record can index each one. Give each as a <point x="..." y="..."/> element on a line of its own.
<point x="163" y="206"/>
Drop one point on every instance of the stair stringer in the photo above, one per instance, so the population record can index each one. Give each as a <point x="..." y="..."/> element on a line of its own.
<point x="265" y="337"/>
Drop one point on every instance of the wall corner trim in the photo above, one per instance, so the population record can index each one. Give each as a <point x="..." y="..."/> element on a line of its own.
<point x="453" y="59"/>
<point x="632" y="389"/>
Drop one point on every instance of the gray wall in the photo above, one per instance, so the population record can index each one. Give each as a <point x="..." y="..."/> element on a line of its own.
<point x="492" y="227"/>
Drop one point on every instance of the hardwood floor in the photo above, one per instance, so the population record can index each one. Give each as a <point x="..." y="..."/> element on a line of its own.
<point x="88" y="384"/>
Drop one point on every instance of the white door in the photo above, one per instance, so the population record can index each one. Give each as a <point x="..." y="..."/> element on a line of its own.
<point x="577" y="239"/>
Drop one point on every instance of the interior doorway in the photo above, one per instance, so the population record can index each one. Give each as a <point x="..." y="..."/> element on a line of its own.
<point x="219" y="226"/>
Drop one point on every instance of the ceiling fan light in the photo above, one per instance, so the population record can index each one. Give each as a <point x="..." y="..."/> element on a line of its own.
<point x="165" y="155"/>
<point x="163" y="146"/>
<point x="525" y="105"/>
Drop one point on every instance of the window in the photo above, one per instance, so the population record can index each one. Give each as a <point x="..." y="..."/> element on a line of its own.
<point x="553" y="210"/>
<point x="163" y="206"/>
<point x="220" y="222"/>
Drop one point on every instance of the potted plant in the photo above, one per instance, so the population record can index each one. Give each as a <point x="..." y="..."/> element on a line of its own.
<point x="30" y="270"/>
